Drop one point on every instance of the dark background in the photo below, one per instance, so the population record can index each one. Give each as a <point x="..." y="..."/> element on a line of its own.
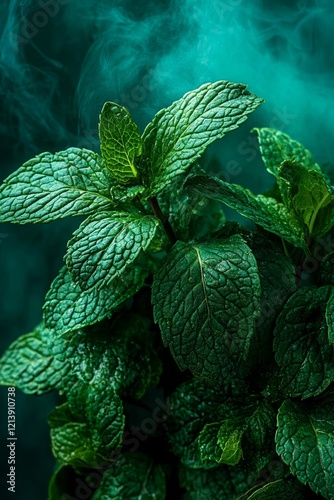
<point x="60" y="60"/>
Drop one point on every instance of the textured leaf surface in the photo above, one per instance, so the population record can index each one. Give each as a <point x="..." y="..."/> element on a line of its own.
<point x="67" y="307"/>
<point x="264" y="211"/>
<point x="192" y="406"/>
<point x="105" y="244"/>
<point x="203" y="484"/>
<point x="275" y="147"/>
<point x="309" y="195"/>
<point x="206" y="297"/>
<point x="120" y="352"/>
<point x="120" y="142"/>
<point x="54" y="186"/>
<point x="71" y="440"/>
<point x="330" y="317"/>
<point x="29" y="365"/>
<point x="301" y="345"/>
<point x="133" y="477"/>
<point x="305" y="442"/>
<point x="179" y="134"/>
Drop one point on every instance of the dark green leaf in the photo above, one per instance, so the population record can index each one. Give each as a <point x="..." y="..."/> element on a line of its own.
<point x="302" y="350"/>
<point x="67" y="307"/>
<point x="54" y="186"/>
<point x="120" y="142"/>
<point x="264" y="211"/>
<point x="275" y="147"/>
<point x="179" y="134"/>
<point x="71" y="441"/>
<point x="305" y="442"/>
<point x="105" y="244"/>
<point x="133" y="477"/>
<point x="284" y="489"/>
<point x="330" y="317"/>
<point x="327" y="269"/>
<point x="206" y="298"/>
<point x="29" y="365"/>
<point x="308" y="194"/>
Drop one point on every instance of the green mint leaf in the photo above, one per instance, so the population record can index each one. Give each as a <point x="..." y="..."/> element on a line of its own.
<point x="192" y="405"/>
<point x="221" y="442"/>
<point x="68" y="308"/>
<point x="99" y="406"/>
<point x="302" y="350"/>
<point x="282" y="488"/>
<point x="309" y="195"/>
<point x="54" y="186"/>
<point x="305" y="442"/>
<point x="206" y="297"/>
<point x="179" y="134"/>
<point x="247" y="433"/>
<point x="275" y="147"/>
<point x="119" y="351"/>
<point x="105" y="244"/>
<point x="29" y="365"/>
<point x="133" y="477"/>
<point x="120" y="142"/>
<point x="327" y="269"/>
<point x="222" y="482"/>
<point x="71" y="440"/>
<point x="264" y="211"/>
<point x="330" y="317"/>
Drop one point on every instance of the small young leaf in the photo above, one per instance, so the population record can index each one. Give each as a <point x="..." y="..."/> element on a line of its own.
<point x="68" y="308"/>
<point x="305" y="442"/>
<point x="302" y="350"/>
<point x="221" y="442"/>
<point x="134" y="476"/>
<point x="264" y="211"/>
<point x="120" y="142"/>
<point x="275" y="147"/>
<point x="54" y="186"/>
<point x="29" y="365"/>
<point x="308" y="194"/>
<point x="179" y="134"/>
<point x="105" y="244"/>
<point x="206" y="298"/>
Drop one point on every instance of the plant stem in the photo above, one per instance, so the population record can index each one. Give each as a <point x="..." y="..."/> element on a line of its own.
<point x="165" y="222"/>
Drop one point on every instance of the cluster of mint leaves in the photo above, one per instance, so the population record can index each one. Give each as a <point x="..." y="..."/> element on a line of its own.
<point x="249" y="382"/>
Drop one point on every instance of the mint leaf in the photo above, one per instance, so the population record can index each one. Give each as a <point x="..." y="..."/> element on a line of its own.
<point x="221" y="482"/>
<point x="244" y="431"/>
<point x="68" y="308"/>
<point x="120" y="351"/>
<point x="330" y="317"/>
<point x="71" y="440"/>
<point x="275" y="147"/>
<point x="327" y="269"/>
<point x="98" y="405"/>
<point x="105" y="244"/>
<point x="302" y="350"/>
<point x="54" y="186"/>
<point x="282" y="488"/>
<point x="305" y="442"/>
<point x="264" y="211"/>
<point x="221" y="442"/>
<point x="29" y="365"/>
<point x="179" y="134"/>
<point x="206" y="297"/>
<point x="134" y="476"/>
<point x="308" y="194"/>
<point x="120" y="142"/>
<point x="192" y="406"/>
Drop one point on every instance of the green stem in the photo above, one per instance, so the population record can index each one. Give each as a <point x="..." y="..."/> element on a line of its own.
<point x="165" y="222"/>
